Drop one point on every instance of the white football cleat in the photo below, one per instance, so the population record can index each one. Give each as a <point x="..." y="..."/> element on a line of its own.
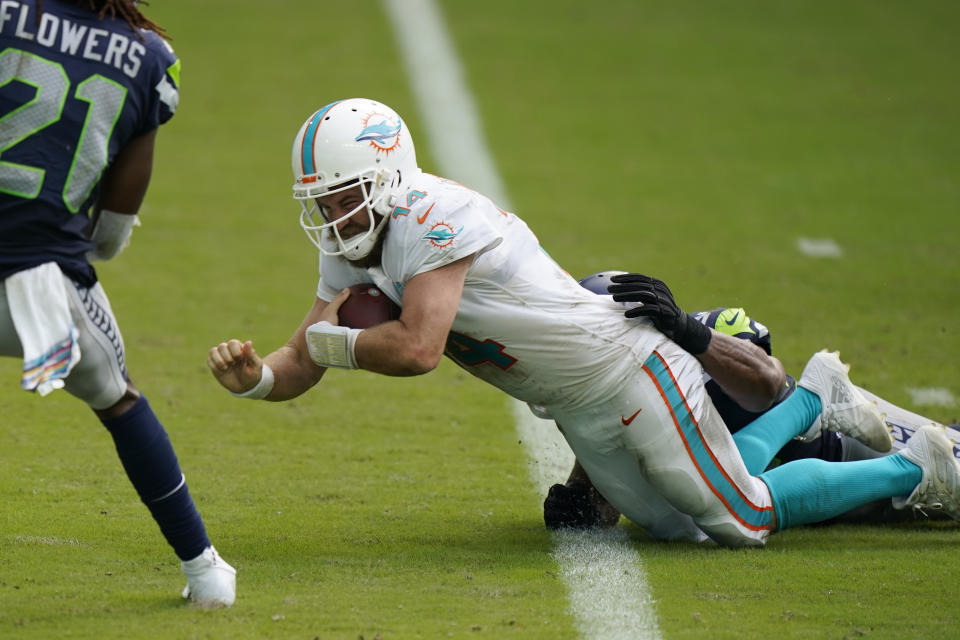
<point x="211" y="582"/>
<point x="844" y="408"/>
<point x="939" y="488"/>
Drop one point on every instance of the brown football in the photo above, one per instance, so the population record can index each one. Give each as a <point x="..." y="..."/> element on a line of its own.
<point x="367" y="306"/>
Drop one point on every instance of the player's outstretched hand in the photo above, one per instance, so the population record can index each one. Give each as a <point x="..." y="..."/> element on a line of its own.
<point x="235" y="365"/>
<point x="657" y="303"/>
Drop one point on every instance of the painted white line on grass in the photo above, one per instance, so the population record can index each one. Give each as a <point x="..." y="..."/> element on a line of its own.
<point x="606" y="583"/>
<point x="936" y="396"/>
<point x="819" y="247"/>
<point x="608" y="587"/>
<point x="550" y="457"/>
<point x="444" y="100"/>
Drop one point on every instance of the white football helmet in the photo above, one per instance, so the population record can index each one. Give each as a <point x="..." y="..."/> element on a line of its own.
<point x="345" y="144"/>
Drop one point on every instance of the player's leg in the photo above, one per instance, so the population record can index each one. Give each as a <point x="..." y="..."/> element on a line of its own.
<point x="142" y="444"/>
<point x="838" y="447"/>
<point x="578" y="504"/>
<point x="825" y="398"/>
<point x="697" y="468"/>
<point x="925" y="474"/>
<point x="903" y="424"/>
<point x="645" y="445"/>
<point x="688" y="454"/>
<point x="614" y="469"/>
<point x="811" y="490"/>
<point x="647" y="435"/>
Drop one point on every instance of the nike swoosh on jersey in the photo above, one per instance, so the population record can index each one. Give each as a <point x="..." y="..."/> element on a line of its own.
<point x="731" y="322"/>
<point x="420" y="219"/>
<point x="627" y="421"/>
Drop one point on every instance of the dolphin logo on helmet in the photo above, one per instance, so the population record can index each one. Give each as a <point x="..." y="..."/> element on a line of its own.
<point x="383" y="134"/>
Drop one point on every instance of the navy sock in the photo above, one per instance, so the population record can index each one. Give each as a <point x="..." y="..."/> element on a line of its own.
<point x="151" y="464"/>
<point x="811" y="490"/>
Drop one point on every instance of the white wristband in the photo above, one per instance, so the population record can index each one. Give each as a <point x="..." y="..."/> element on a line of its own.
<point x="332" y="346"/>
<point x="260" y="390"/>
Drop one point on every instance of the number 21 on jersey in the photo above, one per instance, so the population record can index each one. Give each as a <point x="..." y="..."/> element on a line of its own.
<point x="105" y="98"/>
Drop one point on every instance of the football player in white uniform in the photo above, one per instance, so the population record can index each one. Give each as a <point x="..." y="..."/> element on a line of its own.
<point x="577" y="504"/>
<point x="474" y="284"/>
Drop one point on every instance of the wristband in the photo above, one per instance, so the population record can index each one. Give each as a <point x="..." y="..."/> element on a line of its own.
<point x="694" y="338"/>
<point x="332" y="346"/>
<point x="260" y="390"/>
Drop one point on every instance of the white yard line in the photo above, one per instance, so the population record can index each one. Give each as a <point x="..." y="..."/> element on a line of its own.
<point x="819" y="247"/>
<point x="606" y="582"/>
<point x="933" y="397"/>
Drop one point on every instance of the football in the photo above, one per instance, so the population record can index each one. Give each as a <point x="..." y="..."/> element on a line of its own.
<point x="367" y="306"/>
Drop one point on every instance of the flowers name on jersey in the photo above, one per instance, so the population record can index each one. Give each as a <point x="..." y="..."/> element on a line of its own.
<point x="381" y="131"/>
<point x="441" y="234"/>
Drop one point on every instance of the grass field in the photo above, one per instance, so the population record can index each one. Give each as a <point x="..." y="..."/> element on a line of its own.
<point x="695" y="141"/>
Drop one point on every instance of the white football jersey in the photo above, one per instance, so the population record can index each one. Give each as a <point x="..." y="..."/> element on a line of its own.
<point x="524" y="324"/>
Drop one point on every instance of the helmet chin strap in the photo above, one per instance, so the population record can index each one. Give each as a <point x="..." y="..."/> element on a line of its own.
<point x="362" y="248"/>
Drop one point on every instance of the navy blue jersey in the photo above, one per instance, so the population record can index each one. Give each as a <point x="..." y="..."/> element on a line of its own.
<point x="74" y="90"/>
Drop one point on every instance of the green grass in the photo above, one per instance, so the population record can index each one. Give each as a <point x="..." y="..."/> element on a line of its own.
<point x="694" y="141"/>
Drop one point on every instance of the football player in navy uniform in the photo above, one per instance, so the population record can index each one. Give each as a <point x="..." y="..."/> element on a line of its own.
<point x="577" y="504"/>
<point x="84" y="86"/>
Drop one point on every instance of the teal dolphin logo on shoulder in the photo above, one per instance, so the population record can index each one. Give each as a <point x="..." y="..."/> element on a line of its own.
<point x="441" y="234"/>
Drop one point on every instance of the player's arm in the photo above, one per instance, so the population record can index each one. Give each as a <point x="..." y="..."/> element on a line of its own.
<point x="289" y="370"/>
<point x="414" y="343"/>
<point x="743" y="370"/>
<point x="122" y="191"/>
<point x="411" y="345"/>
<point x="753" y="379"/>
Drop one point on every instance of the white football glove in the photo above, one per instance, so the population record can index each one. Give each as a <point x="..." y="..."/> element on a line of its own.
<point x="111" y="234"/>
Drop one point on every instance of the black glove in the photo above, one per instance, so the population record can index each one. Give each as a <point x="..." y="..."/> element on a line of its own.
<point x="569" y="507"/>
<point x="658" y="305"/>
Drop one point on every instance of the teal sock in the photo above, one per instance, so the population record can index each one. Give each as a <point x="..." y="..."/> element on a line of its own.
<point x="759" y="441"/>
<point x="813" y="490"/>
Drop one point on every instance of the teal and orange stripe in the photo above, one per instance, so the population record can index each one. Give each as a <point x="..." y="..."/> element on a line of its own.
<point x="750" y="515"/>
<point x="309" y="135"/>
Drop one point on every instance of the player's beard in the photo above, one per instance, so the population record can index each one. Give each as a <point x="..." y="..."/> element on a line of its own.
<point x="372" y="259"/>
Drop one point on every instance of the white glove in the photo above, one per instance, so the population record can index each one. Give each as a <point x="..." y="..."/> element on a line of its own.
<point x="111" y="234"/>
